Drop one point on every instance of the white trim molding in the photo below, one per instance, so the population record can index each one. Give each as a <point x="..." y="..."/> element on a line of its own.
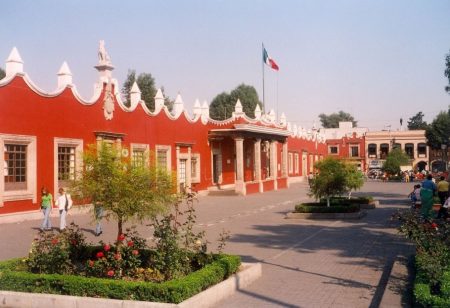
<point x="69" y="142"/>
<point x="31" y="191"/>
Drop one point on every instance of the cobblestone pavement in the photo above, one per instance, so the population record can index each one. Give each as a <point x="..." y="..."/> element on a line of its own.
<point x="306" y="263"/>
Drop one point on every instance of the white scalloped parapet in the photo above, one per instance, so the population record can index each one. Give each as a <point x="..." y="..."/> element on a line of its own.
<point x="178" y="106"/>
<point x="135" y="95"/>
<point x="159" y="101"/>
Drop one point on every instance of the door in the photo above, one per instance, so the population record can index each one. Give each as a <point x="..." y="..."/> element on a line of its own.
<point x="182" y="174"/>
<point x="217" y="168"/>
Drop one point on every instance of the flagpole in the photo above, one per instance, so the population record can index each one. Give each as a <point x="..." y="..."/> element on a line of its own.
<point x="278" y="116"/>
<point x="264" y="98"/>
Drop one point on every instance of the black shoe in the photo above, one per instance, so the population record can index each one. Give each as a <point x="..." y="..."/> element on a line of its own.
<point x="98" y="234"/>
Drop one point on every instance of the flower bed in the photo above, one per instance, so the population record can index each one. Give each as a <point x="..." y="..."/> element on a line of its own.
<point x="432" y="240"/>
<point x="13" y="277"/>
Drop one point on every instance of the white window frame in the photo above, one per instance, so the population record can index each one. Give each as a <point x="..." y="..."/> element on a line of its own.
<point x="197" y="177"/>
<point x="68" y="142"/>
<point x="168" y="150"/>
<point x="333" y="146"/>
<point x="350" y="153"/>
<point x="30" y="192"/>
<point x="140" y="147"/>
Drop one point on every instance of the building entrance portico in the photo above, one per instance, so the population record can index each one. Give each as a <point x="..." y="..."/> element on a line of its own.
<point x="249" y="157"/>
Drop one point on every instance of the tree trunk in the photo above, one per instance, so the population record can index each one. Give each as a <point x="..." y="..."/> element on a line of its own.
<point x="328" y="201"/>
<point x="119" y="226"/>
<point x="349" y="194"/>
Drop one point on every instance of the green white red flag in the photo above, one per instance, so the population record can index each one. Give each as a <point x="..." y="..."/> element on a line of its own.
<point x="269" y="61"/>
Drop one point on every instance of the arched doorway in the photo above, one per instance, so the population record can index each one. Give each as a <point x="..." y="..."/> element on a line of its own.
<point x="421" y="165"/>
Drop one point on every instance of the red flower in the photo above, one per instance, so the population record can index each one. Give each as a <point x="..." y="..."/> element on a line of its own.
<point x="130" y="243"/>
<point x="135" y="252"/>
<point x="91" y="263"/>
<point x="54" y="241"/>
<point x="434" y="225"/>
<point x="74" y="242"/>
<point x="106" y="247"/>
<point x="100" y="254"/>
<point x="117" y="256"/>
<point x="121" y="237"/>
<point x="110" y="273"/>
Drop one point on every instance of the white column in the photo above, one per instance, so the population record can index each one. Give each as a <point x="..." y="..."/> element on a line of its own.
<point x="240" y="185"/>
<point x="189" y="171"/>
<point x="274" y="163"/>
<point x="257" y="164"/>
<point x="284" y="162"/>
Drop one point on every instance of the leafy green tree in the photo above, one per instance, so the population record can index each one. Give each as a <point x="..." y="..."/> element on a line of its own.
<point x="335" y="177"/>
<point x="332" y="120"/>
<point x="396" y="158"/>
<point x="222" y="106"/>
<point x="447" y="71"/>
<point x="416" y="122"/>
<point x="125" y="190"/>
<point x="2" y="73"/>
<point x="438" y="132"/>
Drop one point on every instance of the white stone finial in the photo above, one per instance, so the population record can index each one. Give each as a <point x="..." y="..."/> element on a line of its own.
<point x="205" y="111"/>
<point x="135" y="95"/>
<point x="64" y="76"/>
<point x="159" y="100"/>
<point x="283" y="119"/>
<point x="178" y="105"/>
<point x="289" y="127"/>
<point x="271" y="115"/>
<point x="238" y="107"/>
<point x="104" y="65"/>
<point x="257" y="112"/>
<point x="197" y="108"/>
<point x="14" y="63"/>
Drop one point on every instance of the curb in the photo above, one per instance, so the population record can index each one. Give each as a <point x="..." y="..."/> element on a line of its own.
<point x="357" y="215"/>
<point x="249" y="273"/>
<point x="37" y="214"/>
<point x="397" y="292"/>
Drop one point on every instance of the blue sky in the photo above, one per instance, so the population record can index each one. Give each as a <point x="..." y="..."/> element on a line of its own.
<point x="378" y="60"/>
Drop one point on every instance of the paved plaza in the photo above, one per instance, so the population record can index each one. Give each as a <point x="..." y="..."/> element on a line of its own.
<point x="306" y="263"/>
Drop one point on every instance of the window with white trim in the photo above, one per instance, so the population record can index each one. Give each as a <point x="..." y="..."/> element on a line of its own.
<point x="163" y="157"/>
<point x="354" y="151"/>
<point x="68" y="160"/>
<point x="195" y="168"/>
<point x="18" y="175"/>
<point x="333" y="149"/>
<point x="139" y="154"/>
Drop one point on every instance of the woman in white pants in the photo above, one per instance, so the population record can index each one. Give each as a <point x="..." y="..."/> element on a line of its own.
<point x="64" y="203"/>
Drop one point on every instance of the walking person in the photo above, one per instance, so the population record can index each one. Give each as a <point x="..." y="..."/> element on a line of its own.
<point x="98" y="209"/>
<point x="46" y="208"/>
<point x="64" y="203"/>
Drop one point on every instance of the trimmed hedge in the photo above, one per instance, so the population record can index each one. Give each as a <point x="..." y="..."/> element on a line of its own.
<point x="346" y="200"/>
<point x="312" y="207"/>
<point x="174" y="291"/>
<point x="422" y="291"/>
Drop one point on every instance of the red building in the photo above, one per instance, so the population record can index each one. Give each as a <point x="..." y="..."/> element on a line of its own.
<point x="43" y="136"/>
<point x="351" y="148"/>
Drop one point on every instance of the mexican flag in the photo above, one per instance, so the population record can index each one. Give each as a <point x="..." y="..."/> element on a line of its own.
<point x="269" y="61"/>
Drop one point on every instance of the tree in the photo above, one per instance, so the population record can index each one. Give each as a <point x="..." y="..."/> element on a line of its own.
<point x="125" y="190"/>
<point x="447" y="71"/>
<point x="332" y="120"/>
<point x="438" y="132"/>
<point x="335" y="178"/>
<point x="396" y="158"/>
<point x="222" y="106"/>
<point x="416" y="122"/>
<point x="2" y="73"/>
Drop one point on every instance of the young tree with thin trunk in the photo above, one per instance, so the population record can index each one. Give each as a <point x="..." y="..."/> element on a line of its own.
<point x="126" y="190"/>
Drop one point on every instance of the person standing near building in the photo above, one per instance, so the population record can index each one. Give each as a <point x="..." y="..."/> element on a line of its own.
<point x="64" y="203"/>
<point x="442" y="189"/>
<point x="46" y="208"/>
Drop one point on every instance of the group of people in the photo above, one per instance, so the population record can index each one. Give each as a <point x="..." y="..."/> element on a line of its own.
<point x="63" y="203"/>
<point x="425" y="192"/>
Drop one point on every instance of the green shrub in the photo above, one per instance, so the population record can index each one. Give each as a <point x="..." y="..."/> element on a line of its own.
<point x="322" y="208"/>
<point x="173" y="291"/>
